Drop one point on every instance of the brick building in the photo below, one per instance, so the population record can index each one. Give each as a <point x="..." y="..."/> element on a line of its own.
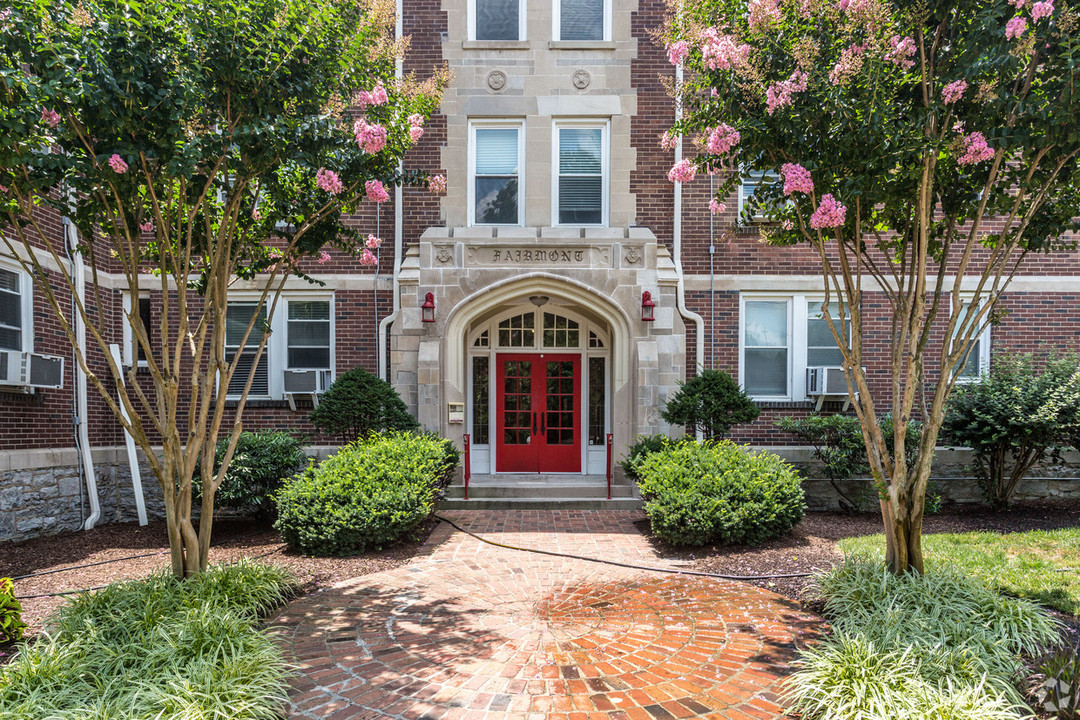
<point x="557" y="221"/>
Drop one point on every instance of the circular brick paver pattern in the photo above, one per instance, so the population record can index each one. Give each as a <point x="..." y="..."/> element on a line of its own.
<point x="469" y="631"/>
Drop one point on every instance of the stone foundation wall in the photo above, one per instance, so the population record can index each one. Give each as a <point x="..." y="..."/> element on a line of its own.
<point x="953" y="478"/>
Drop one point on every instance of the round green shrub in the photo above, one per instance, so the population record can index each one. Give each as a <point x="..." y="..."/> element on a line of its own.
<point x="367" y="495"/>
<point x="259" y="464"/>
<point x="642" y="448"/>
<point x="358" y="403"/>
<point x="700" y="493"/>
<point x="711" y="402"/>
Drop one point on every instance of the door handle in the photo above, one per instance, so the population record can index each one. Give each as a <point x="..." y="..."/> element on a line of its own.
<point x="534" y="422"/>
<point x="542" y="417"/>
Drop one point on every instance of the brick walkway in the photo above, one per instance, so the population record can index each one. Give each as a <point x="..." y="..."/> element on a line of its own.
<point x="469" y="631"/>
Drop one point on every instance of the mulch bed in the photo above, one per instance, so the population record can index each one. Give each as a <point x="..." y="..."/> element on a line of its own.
<point x="232" y="540"/>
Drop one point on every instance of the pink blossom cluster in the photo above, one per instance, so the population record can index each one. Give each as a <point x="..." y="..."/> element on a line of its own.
<point x="722" y="139"/>
<point x="368" y="258"/>
<point x="975" y="149"/>
<point x="852" y="6"/>
<point x="1015" y="28"/>
<point x="1042" y="9"/>
<point x="328" y="181"/>
<point x="723" y="52"/>
<point x="850" y="62"/>
<point x="901" y="52"/>
<point x="796" y="179"/>
<point x="1018" y="4"/>
<point x="371" y="137"/>
<point x="717" y="207"/>
<point x="437" y="184"/>
<point x="373" y="242"/>
<point x="50" y="117"/>
<point x="669" y="140"/>
<point x="324" y="257"/>
<point x="677" y="52"/>
<point x="953" y="91"/>
<point x="376" y="191"/>
<point x="682" y="171"/>
<point x="416" y="126"/>
<point x="147" y="226"/>
<point x="779" y="94"/>
<point x="117" y="164"/>
<point x="256" y="215"/>
<point x="366" y="99"/>
<point x="829" y="213"/>
<point x="762" y="14"/>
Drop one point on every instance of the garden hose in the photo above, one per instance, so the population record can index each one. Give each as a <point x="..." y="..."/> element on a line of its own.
<point x="673" y="571"/>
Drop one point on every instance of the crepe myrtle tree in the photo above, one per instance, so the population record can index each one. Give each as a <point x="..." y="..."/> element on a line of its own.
<point x="922" y="149"/>
<point x="193" y="146"/>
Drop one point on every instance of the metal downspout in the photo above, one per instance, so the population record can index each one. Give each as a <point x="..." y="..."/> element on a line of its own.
<point x="78" y="269"/>
<point x="381" y="362"/>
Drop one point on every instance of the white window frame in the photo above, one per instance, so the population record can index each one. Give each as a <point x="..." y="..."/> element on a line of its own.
<point x="799" y="306"/>
<point x="522" y="8"/>
<point x="502" y="123"/>
<point x="276" y="352"/>
<point x="982" y="352"/>
<point x="604" y="126"/>
<point x="26" y="303"/>
<point x="556" y="22"/>
<point x="760" y="175"/>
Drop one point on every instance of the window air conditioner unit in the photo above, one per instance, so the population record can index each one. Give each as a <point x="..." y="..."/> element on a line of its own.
<point x="306" y="382"/>
<point x="26" y="369"/>
<point x="825" y="381"/>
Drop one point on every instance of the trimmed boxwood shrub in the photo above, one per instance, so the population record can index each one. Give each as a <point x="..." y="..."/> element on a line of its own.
<point x="367" y="495"/>
<point x="701" y="493"/>
<point x="259" y="464"/>
<point x="642" y="448"/>
<point x="358" y="403"/>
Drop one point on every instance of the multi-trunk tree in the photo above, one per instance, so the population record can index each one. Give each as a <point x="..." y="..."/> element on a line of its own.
<point x="192" y="145"/>
<point x="923" y="149"/>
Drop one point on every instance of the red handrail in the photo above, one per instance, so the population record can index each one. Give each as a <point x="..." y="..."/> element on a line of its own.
<point x="468" y="466"/>
<point x="609" y="444"/>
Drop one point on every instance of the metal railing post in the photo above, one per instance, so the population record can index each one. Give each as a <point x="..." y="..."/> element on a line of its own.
<point x="609" y="446"/>
<point x="468" y="465"/>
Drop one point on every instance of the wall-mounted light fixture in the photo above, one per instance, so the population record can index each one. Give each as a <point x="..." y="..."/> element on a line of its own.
<point x="427" y="310"/>
<point x="538" y="300"/>
<point x="648" y="307"/>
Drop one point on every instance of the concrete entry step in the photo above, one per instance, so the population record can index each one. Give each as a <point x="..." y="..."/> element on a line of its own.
<point x="602" y="503"/>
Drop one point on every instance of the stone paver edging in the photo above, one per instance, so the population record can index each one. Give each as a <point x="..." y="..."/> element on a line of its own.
<point x="467" y="631"/>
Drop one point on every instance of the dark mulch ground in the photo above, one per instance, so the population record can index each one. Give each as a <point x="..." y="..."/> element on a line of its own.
<point x="233" y="539"/>
<point x="812" y="544"/>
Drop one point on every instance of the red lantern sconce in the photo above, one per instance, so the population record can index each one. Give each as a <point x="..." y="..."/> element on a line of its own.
<point x="648" y="307"/>
<point x="427" y="310"/>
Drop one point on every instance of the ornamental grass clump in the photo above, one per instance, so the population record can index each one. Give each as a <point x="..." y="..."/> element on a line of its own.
<point x="940" y="645"/>
<point x="367" y="495"/>
<point x="157" y="648"/>
<point x="719" y="492"/>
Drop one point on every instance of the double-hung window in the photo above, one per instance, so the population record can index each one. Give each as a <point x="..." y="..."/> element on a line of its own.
<point x="15" y="310"/>
<point x="780" y="336"/>
<point x="497" y="20"/>
<point x="978" y="359"/>
<point x="495" y="170"/>
<point x="133" y="349"/>
<point x="301" y="338"/>
<point x="749" y="210"/>
<point x="581" y="20"/>
<point x="581" y="181"/>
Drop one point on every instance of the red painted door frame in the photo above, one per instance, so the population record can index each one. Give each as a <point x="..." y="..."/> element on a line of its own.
<point x="538" y="412"/>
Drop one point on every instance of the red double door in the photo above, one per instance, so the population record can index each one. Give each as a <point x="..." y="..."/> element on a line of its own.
<point x="538" y="413"/>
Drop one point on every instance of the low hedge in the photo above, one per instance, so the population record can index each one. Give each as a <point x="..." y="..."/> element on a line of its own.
<point x="367" y="495"/>
<point x="701" y="493"/>
<point x="259" y="463"/>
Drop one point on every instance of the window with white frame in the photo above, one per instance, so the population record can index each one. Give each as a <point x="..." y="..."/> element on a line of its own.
<point x="780" y="336"/>
<point x="15" y="310"/>
<point x="581" y="20"/>
<point x="497" y="20"/>
<point x="580" y="190"/>
<point x="133" y="349"/>
<point x="978" y="359"/>
<point x="748" y="211"/>
<point x="301" y="338"/>
<point x="495" y="170"/>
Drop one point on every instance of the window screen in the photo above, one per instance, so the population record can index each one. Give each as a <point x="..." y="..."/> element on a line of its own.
<point x="237" y="318"/>
<point x="765" y="347"/>
<point x="11" y="320"/>
<point x="496" y="176"/>
<point x="581" y="176"/>
<point x="581" y="20"/>
<point x="498" y="20"/>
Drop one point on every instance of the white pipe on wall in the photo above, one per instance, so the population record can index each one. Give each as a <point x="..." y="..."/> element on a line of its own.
<point x="129" y="442"/>
<point x="79" y="272"/>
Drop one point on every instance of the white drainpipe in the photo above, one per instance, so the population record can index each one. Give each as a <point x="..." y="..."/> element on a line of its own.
<point x="383" y="368"/>
<point x="78" y="270"/>
<point x="676" y="233"/>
